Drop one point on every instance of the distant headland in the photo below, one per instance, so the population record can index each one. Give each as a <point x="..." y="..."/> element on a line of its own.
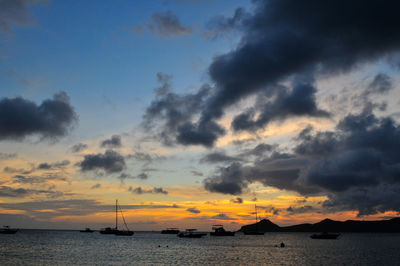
<point x="328" y="225"/>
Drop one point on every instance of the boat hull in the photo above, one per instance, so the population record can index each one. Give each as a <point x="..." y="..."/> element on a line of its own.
<point x="108" y="231"/>
<point x="124" y="233"/>
<point x="9" y="231"/>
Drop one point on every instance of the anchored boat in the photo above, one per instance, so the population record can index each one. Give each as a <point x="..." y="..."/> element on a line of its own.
<point x="7" y="230"/>
<point x="220" y="231"/>
<point x="115" y="230"/>
<point x="191" y="233"/>
<point x="254" y="231"/>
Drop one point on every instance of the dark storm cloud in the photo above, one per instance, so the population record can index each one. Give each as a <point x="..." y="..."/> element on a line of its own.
<point x="113" y="142"/>
<point x="51" y="119"/>
<point x="193" y="210"/>
<point x="290" y="37"/>
<point x="230" y="180"/>
<point x="204" y="133"/>
<point x="284" y="40"/>
<point x="167" y="24"/>
<point x="176" y="112"/>
<point x="219" y="157"/>
<point x="359" y="155"/>
<point x="155" y="190"/>
<point x="277" y="170"/>
<point x="298" y="102"/>
<point x="364" y="156"/>
<point x="16" y="12"/>
<point x="356" y="165"/>
<point x="111" y="162"/>
<point x="320" y="144"/>
<point x="237" y="200"/>
<point x="79" y="147"/>
<point x="366" y="200"/>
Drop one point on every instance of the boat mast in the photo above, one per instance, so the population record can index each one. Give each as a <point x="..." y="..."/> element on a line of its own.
<point x="116" y="214"/>
<point x="255" y="207"/>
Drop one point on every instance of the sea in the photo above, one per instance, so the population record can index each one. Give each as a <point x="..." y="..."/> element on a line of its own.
<point x="61" y="247"/>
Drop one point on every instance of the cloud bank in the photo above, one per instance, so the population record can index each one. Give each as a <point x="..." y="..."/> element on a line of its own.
<point x="287" y="42"/>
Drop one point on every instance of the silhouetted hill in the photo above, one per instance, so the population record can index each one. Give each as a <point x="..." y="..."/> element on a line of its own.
<point x="263" y="225"/>
<point x="328" y="225"/>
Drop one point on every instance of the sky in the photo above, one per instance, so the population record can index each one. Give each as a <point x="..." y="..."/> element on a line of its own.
<point x="193" y="112"/>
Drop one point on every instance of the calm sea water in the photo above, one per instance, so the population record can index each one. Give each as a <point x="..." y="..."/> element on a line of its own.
<point x="46" y="247"/>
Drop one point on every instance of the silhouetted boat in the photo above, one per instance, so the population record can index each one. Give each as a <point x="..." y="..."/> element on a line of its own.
<point x="116" y="231"/>
<point x="108" y="231"/>
<point x="172" y="231"/>
<point x="191" y="233"/>
<point x="87" y="230"/>
<point x="7" y="230"/>
<point x="220" y="231"/>
<point x="254" y="231"/>
<point x="325" y="235"/>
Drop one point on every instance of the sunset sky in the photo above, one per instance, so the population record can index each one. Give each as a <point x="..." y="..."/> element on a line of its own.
<point x="191" y="112"/>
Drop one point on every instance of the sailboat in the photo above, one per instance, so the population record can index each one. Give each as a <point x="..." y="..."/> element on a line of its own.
<point x="254" y="231"/>
<point x="115" y="230"/>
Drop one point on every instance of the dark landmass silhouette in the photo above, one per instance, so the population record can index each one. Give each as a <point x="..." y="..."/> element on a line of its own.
<point x="328" y="225"/>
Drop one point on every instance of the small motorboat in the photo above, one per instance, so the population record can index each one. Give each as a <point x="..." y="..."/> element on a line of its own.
<point x="325" y="235"/>
<point x="172" y="231"/>
<point x="7" y="230"/>
<point x="220" y="231"/>
<point x="87" y="230"/>
<point x="191" y="233"/>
